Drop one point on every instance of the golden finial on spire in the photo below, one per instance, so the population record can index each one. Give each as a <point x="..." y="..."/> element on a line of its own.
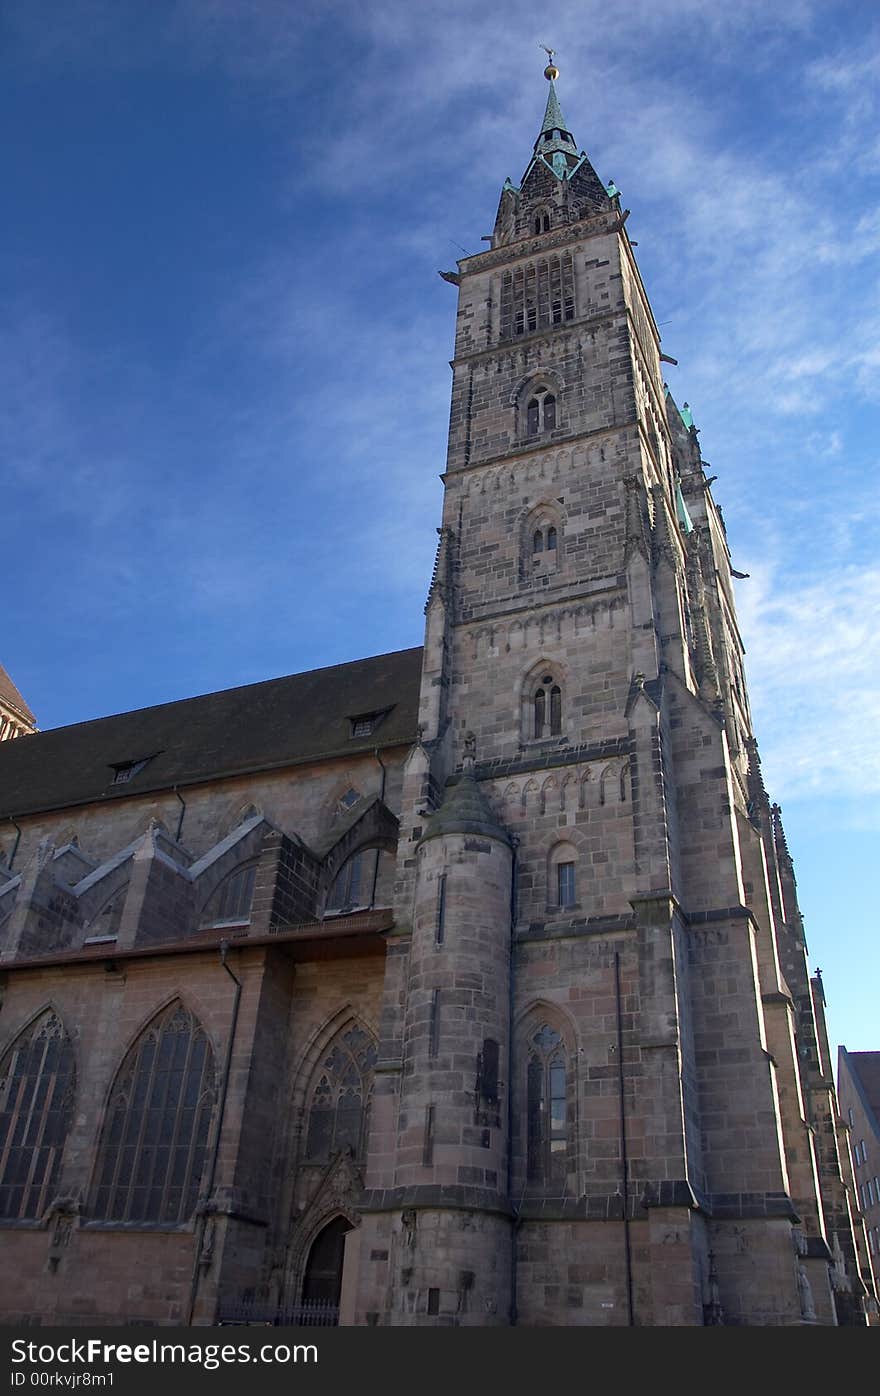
<point x="551" y="72"/>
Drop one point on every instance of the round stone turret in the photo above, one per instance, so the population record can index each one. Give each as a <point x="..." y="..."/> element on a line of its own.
<point x="451" y="1173"/>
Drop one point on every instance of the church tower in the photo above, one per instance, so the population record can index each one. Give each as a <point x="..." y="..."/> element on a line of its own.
<point x="16" y="718"/>
<point x="602" y="1094"/>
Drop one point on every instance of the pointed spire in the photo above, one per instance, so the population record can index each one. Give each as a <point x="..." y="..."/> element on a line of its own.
<point x="553" y="118"/>
<point x="555" y="142"/>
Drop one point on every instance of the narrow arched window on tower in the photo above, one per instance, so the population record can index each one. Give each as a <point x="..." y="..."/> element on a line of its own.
<point x="551" y="539"/>
<point x="545" y="709"/>
<point x="546" y="1109"/>
<point x="538" y="541"/>
<point x="541" y="412"/>
<point x="540" y="711"/>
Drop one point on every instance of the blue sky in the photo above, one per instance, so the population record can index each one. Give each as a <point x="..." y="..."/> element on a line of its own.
<point x="224" y="345"/>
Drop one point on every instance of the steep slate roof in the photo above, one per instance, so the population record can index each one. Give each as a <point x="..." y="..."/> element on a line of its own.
<point x="262" y="726"/>
<point x="9" y="694"/>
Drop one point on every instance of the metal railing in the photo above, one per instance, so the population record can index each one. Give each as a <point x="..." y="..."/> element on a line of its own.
<point x="261" y="1314"/>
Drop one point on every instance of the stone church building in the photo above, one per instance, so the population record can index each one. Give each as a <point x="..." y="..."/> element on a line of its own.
<point x="464" y="985"/>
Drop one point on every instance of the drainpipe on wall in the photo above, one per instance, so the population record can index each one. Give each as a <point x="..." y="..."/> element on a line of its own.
<point x="624" y="1159"/>
<point x="15" y="845"/>
<point x="221" y="1111"/>
<point x="516" y="1217"/>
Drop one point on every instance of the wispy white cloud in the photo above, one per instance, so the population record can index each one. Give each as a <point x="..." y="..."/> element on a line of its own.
<point x="813" y="656"/>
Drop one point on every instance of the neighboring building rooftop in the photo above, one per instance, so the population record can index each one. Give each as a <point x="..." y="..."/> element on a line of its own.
<point x="864" y="1068"/>
<point x="329" y="712"/>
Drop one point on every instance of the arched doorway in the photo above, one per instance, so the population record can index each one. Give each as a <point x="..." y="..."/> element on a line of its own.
<point x="322" y="1284"/>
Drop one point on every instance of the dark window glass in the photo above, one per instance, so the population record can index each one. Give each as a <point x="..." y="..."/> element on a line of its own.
<point x="565" y="884"/>
<point x="353" y="884"/>
<point x="533" y="417"/>
<point x="488" y="1073"/>
<point x="546" y="1109"/>
<point x="441" y="909"/>
<point x="551" y="539"/>
<point x="155" y="1142"/>
<point x="555" y="711"/>
<point x="549" y="412"/>
<point x="538" y="224"/>
<point x="339" y="1111"/>
<point x="540" y="709"/>
<point x="545" y="223"/>
<point x="37" y="1086"/>
<point x="232" y="899"/>
<point x="538" y="541"/>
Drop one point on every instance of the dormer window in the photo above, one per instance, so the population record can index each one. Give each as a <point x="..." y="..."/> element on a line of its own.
<point x="365" y="724"/>
<point x="123" y="771"/>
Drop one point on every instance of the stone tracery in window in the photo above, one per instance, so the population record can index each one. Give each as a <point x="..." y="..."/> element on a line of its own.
<point x="340" y="1101"/>
<point x="37" y="1087"/>
<point x="547" y="1111"/>
<point x="541" y="539"/>
<point x="541" y="411"/>
<point x="543" y="705"/>
<point x="231" y="901"/>
<point x="155" y="1139"/>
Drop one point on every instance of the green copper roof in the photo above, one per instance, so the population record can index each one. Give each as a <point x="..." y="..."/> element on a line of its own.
<point x="553" y="118"/>
<point x="555" y="139"/>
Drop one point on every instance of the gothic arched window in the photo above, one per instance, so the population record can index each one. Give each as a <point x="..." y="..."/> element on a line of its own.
<point x="364" y="877"/>
<point x="540" y="542"/>
<point x="37" y="1086"/>
<point x="231" y="901"/>
<point x="547" y="1123"/>
<point x="541" y="412"/>
<point x="547" y="708"/>
<point x="541" y="222"/>
<point x="340" y="1101"/>
<point x="155" y="1140"/>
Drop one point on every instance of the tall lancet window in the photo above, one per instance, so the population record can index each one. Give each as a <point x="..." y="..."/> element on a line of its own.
<point x="547" y="1125"/>
<point x="37" y="1086"/>
<point x="547" y="708"/>
<point x="541" y="412"/>
<point x="340" y="1100"/>
<point x="155" y="1141"/>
